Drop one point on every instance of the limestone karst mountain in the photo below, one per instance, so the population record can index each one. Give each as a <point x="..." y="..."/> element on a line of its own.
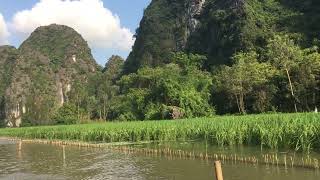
<point x="164" y="28"/>
<point x="46" y="66"/>
<point x="219" y="28"/>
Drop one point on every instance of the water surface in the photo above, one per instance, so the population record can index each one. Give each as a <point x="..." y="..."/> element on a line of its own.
<point x="46" y="162"/>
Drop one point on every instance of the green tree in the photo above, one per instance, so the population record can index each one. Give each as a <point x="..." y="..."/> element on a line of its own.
<point x="107" y="89"/>
<point x="152" y="92"/>
<point x="308" y="78"/>
<point x="188" y="61"/>
<point x="67" y="114"/>
<point x="79" y="96"/>
<point x="240" y="79"/>
<point x="286" y="56"/>
<point x="39" y="109"/>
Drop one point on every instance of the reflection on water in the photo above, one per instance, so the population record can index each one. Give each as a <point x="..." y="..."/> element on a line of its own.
<point x="244" y="154"/>
<point x="37" y="161"/>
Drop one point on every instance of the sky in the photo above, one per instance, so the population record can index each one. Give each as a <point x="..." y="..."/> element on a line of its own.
<point x="107" y="25"/>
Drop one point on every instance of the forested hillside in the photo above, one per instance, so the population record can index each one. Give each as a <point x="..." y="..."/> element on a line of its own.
<point x="262" y="54"/>
<point x="191" y="58"/>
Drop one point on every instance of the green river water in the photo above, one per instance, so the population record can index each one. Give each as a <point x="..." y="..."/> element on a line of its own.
<point x="45" y="162"/>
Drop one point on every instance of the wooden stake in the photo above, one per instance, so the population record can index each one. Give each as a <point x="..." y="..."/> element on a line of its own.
<point x="64" y="155"/>
<point x="218" y="170"/>
<point x="20" y="146"/>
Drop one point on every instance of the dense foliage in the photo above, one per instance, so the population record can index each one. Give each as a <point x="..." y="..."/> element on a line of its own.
<point x="93" y="99"/>
<point x="179" y="89"/>
<point x="246" y="77"/>
<point x="176" y="90"/>
<point x="263" y="55"/>
<point x="283" y="78"/>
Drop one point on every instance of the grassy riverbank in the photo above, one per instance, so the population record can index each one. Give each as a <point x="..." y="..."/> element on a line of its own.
<point x="293" y="131"/>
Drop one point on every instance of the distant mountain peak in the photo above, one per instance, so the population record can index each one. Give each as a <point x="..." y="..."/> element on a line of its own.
<point x="50" y="61"/>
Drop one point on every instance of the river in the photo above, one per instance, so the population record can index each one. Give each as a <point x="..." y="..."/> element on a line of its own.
<point x="45" y="162"/>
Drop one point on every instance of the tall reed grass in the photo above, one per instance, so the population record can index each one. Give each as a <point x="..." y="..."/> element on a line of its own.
<point x="291" y="131"/>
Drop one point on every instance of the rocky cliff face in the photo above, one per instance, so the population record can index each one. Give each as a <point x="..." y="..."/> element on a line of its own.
<point x="8" y="55"/>
<point x="165" y="27"/>
<point x="47" y="65"/>
<point x="194" y="9"/>
<point x="186" y="25"/>
<point x="219" y="28"/>
<point x="222" y="29"/>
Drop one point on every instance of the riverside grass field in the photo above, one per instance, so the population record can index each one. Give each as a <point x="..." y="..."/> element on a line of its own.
<point x="300" y="132"/>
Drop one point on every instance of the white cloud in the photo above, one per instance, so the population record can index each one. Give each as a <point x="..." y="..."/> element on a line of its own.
<point x="90" y="18"/>
<point x="3" y="31"/>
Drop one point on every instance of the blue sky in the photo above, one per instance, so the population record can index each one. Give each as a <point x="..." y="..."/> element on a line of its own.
<point x="129" y="12"/>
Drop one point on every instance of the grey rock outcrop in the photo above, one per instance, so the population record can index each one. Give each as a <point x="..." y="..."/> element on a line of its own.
<point x="194" y="9"/>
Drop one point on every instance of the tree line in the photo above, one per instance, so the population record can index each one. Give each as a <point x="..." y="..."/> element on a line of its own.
<point x="282" y="78"/>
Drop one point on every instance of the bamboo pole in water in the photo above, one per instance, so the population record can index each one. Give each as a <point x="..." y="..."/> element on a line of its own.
<point x="20" y="149"/>
<point x="64" y="152"/>
<point x="20" y="146"/>
<point x="218" y="169"/>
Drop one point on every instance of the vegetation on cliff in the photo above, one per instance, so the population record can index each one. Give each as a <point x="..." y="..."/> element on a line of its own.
<point x="8" y="56"/>
<point x="162" y="31"/>
<point x="49" y="64"/>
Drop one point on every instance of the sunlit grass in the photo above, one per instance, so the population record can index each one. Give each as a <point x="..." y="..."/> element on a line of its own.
<point x="293" y="131"/>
